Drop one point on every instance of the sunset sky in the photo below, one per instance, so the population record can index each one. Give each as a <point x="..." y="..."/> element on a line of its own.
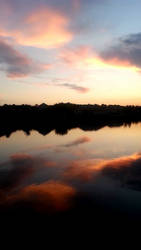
<point x="79" y="51"/>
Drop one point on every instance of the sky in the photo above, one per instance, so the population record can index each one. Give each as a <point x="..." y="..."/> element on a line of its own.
<point x="78" y="51"/>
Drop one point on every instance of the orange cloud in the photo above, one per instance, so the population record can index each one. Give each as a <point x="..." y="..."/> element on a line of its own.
<point x="44" y="28"/>
<point x="50" y="196"/>
<point x="84" y="57"/>
<point x="77" y="171"/>
<point x="82" y="169"/>
<point x="87" y="169"/>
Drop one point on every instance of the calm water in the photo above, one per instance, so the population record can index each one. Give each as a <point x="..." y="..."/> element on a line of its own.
<point x="77" y="173"/>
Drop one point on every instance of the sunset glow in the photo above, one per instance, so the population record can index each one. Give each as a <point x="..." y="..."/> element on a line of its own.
<point x="70" y="51"/>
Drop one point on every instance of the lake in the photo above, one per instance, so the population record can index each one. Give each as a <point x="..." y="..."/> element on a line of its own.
<point x="83" y="174"/>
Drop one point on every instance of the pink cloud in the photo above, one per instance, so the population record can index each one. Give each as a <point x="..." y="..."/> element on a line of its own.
<point x="83" y="57"/>
<point x="43" y="28"/>
<point x="75" y="55"/>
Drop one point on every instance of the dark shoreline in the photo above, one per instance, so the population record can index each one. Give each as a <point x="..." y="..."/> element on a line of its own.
<point x="63" y="117"/>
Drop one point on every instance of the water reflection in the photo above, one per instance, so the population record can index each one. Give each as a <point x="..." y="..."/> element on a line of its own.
<point x="96" y="173"/>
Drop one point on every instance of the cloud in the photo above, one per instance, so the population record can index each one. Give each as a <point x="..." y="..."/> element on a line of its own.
<point x="22" y="167"/>
<point x="125" y="171"/>
<point x="85" y="58"/>
<point x="80" y="170"/>
<point x="123" y="55"/>
<point x="46" y="197"/>
<point x="19" y="168"/>
<point x="43" y="28"/>
<point x="15" y="64"/>
<point x="81" y="140"/>
<point x="44" y="23"/>
<point x="74" y="56"/>
<point x="79" y="89"/>
<point x="127" y="51"/>
<point x="16" y="176"/>
<point x="132" y="40"/>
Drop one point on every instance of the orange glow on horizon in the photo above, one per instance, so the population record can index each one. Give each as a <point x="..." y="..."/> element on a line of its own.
<point x="112" y="64"/>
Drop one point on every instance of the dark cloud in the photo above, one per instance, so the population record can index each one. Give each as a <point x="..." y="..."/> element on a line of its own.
<point x="15" y="64"/>
<point x="125" y="170"/>
<point x="15" y="171"/>
<point x="126" y="50"/>
<point x="133" y="40"/>
<point x="19" y="168"/>
<point x="79" y="89"/>
<point x="75" y="87"/>
<point x="81" y="140"/>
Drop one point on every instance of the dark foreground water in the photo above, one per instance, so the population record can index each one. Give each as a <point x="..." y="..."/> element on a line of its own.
<point x="78" y="178"/>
